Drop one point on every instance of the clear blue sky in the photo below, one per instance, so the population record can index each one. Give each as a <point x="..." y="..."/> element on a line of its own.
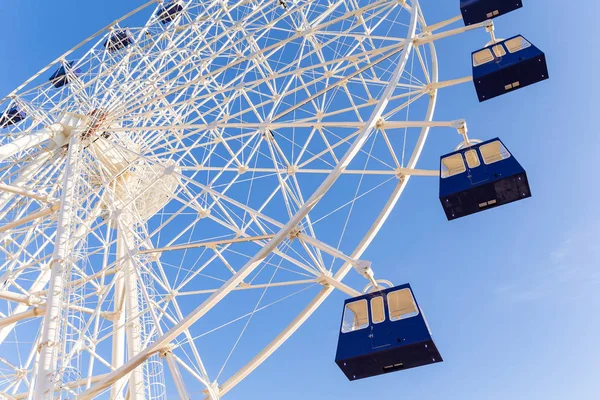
<point x="512" y="294"/>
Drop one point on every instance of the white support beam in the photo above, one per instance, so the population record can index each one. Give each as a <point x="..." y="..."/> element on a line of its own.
<point x="213" y="243"/>
<point x="32" y="313"/>
<point x="442" y="24"/>
<point x="118" y="336"/>
<point x="453" y="32"/>
<point x="27" y="174"/>
<point x="403" y="171"/>
<point x="177" y="378"/>
<point x="27" y="193"/>
<point x="40" y="282"/>
<point x="29" y="218"/>
<point x="16" y="297"/>
<point x="316" y="124"/>
<point x="69" y="385"/>
<point x="28" y="141"/>
<point x="133" y="328"/>
<point x="326" y="248"/>
<point x="328" y="280"/>
<point x="417" y="172"/>
<point x="451" y="82"/>
<point x="51" y="333"/>
<point x="44" y="276"/>
<point x="251" y="287"/>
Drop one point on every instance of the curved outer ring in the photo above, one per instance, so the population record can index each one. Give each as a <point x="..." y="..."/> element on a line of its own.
<point x="293" y="222"/>
<point x="370" y="235"/>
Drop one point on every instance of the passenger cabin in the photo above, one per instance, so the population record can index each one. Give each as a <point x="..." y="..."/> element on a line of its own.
<point x="118" y="40"/>
<point x="475" y="11"/>
<point x="480" y="177"/>
<point x="383" y="332"/>
<point x="170" y="11"/>
<point x="506" y="66"/>
<point x="60" y="78"/>
<point x="11" y="117"/>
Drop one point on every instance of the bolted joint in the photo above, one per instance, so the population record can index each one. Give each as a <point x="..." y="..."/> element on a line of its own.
<point x="429" y="89"/>
<point x="268" y="135"/>
<point x="6" y="239"/>
<point x="37" y="311"/>
<point x="292" y="169"/>
<point x="34" y="300"/>
<point x="135" y="326"/>
<point x="295" y="233"/>
<point x="111" y="316"/>
<point x="57" y="262"/>
<point x="324" y="278"/>
<point x="101" y="290"/>
<point x="170" y="170"/>
<point x="47" y="343"/>
<point x="400" y="175"/>
<point x="61" y="134"/>
<point x="171" y="295"/>
<point x="213" y="391"/>
<point x="165" y="351"/>
<point x="364" y="268"/>
<point x="203" y="213"/>
<point x="461" y="126"/>
<point x="242" y="169"/>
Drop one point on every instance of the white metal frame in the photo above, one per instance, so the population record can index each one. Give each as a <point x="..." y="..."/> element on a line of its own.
<point x="54" y="194"/>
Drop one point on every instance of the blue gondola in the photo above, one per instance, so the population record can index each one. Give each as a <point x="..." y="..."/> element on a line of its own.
<point x="506" y="66"/>
<point x="480" y="177"/>
<point x="383" y="332"/>
<point x="118" y="40"/>
<point x="475" y="11"/>
<point x="169" y="11"/>
<point x="59" y="78"/>
<point x="12" y="116"/>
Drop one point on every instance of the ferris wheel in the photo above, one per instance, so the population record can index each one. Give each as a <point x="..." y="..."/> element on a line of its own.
<point x="182" y="190"/>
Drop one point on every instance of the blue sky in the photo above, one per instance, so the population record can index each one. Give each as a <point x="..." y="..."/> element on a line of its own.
<point x="511" y="294"/>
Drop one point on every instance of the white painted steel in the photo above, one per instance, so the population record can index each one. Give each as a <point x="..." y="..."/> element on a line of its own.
<point x="51" y="336"/>
<point x="216" y="297"/>
<point x="125" y="245"/>
<point x="171" y="142"/>
<point x="28" y="141"/>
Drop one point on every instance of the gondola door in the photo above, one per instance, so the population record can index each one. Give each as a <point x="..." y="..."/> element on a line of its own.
<point x="380" y="333"/>
<point x="477" y="171"/>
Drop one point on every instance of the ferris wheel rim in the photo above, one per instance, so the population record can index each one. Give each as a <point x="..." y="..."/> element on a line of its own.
<point x="368" y="237"/>
<point x="305" y="314"/>
<point x="358" y="251"/>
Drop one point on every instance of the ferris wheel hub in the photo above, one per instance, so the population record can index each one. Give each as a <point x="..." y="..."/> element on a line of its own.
<point x="135" y="184"/>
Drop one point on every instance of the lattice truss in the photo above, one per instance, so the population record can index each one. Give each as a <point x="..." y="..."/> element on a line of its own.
<point x="178" y="209"/>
